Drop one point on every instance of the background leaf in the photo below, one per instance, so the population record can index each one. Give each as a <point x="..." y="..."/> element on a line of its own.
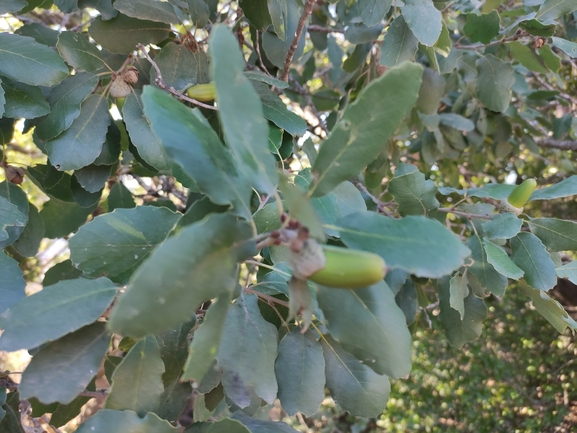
<point x="556" y="234"/>
<point x="77" y="50"/>
<point x="494" y="82"/>
<point x="399" y="45"/>
<point x="148" y="10"/>
<point x="12" y="283"/>
<point x="115" y="421"/>
<point x="530" y="255"/>
<point x="424" y="20"/>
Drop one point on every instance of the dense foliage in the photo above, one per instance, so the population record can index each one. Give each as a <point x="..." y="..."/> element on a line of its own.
<point x="193" y="225"/>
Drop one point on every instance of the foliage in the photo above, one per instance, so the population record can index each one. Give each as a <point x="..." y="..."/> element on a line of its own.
<point x="344" y="122"/>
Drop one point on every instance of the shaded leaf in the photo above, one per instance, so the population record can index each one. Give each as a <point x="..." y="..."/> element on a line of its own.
<point x="116" y="421"/>
<point x="245" y="129"/>
<point x="262" y="426"/>
<point x="54" y="312"/>
<point x="553" y="9"/>
<point x="23" y="101"/>
<point x="137" y="381"/>
<point x="569" y="48"/>
<point x="300" y="372"/>
<point x="65" y="101"/>
<point x="25" y="60"/>
<point x="418" y="245"/>
<point x="357" y="138"/>
<point x="482" y="28"/>
<point x="531" y="256"/>
<point x="60" y="271"/>
<point x="502" y="226"/>
<point x="373" y="313"/>
<point x="148" y="10"/>
<point x="10" y="217"/>
<point x="78" y="52"/>
<point x="556" y="234"/>
<point x="458" y="290"/>
<point x="63" y="368"/>
<point x="81" y="144"/>
<point x="399" y="45"/>
<point x="414" y="194"/>
<point x="550" y="309"/>
<point x="494" y="81"/>
<point x="179" y="67"/>
<point x="12" y="283"/>
<point x="118" y="242"/>
<point x="373" y="11"/>
<point x="122" y="33"/>
<point x="29" y="240"/>
<point x="62" y="218"/>
<point x="196" y="264"/>
<point x="92" y="177"/>
<point x="354" y="386"/>
<point x="247" y="352"/>
<point x="481" y="268"/>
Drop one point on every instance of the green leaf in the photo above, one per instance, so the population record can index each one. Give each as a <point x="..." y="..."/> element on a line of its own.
<point x="122" y="33"/>
<point x="54" y="312"/>
<point x="262" y="426"/>
<point x="245" y="128"/>
<point x="354" y="386"/>
<point x="527" y="57"/>
<point x="138" y="126"/>
<point x="502" y="226"/>
<point x="59" y="272"/>
<point x="78" y="52"/>
<point x="23" y="101"/>
<point x="257" y="13"/>
<point x="10" y="217"/>
<point x="65" y="101"/>
<point x="300" y="372"/>
<point x="12" y="220"/>
<point x="488" y="277"/>
<point x="343" y="200"/>
<point x="456" y="121"/>
<point x="137" y="381"/>
<point x="553" y="9"/>
<point x="92" y="177"/>
<point x="148" y="10"/>
<point x="195" y="146"/>
<point x="116" y="243"/>
<point x="531" y="256"/>
<point x="358" y="33"/>
<point x="174" y="350"/>
<point x="199" y="12"/>
<point x="460" y="331"/>
<point x="247" y="352"/>
<point x="568" y="271"/>
<point x="29" y="240"/>
<point x="179" y="67"/>
<point x="40" y="32"/>
<point x="373" y="11"/>
<point x="12" y="283"/>
<point x="424" y="20"/>
<point x="276" y="47"/>
<point x="550" y="309"/>
<point x="414" y="194"/>
<point x="300" y="207"/>
<point x="357" y="138"/>
<point x="373" y="313"/>
<point x="103" y="6"/>
<point x="12" y="6"/>
<point x="275" y="110"/>
<point x="225" y="425"/>
<point x="399" y="45"/>
<point x="206" y="341"/>
<point x="556" y="234"/>
<point x="502" y="263"/>
<point x="566" y="188"/>
<point x="418" y="245"/>
<point x="482" y="28"/>
<point x="458" y="290"/>
<point x="81" y="144"/>
<point x="62" y="218"/>
<point x="25" y="60"/>
<point x="115" y="421"/>
<point x="120" y="197"/>
<point x="264" y="78"/>
<point x="494" y="80"/>
<point x="197" y="264"/>
<point x="63" y="368"/>
<point x="569" y="48"/>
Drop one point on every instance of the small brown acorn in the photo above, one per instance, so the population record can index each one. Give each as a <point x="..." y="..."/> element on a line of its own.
<point x="14" y="175"/>
<point x="120" y="88"/>
<point x="131" y="75"/>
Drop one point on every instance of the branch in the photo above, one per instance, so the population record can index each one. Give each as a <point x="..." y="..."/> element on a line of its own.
<point x="321" y="29"/>
<point x="516" y="36"/>
<point x="380" y="204"/>
<point x="160" y="82"/>
<point x="558" y="144"/>
<point x="464" y="214"/>
<point x="545" y="84"/>
<point x="291" y="52"/>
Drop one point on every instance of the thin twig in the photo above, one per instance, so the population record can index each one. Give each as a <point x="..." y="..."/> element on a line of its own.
<point x="464" y="214"/>
<point x="550" y="87"/>
<point x="257" y="50"/>
<point x="558" y="144"/>
<point x="291" y="52"/>
<point x="160" y="82"/>
<point x="380" y="204"/>
<point x="321" y="29"/>
<point x="307" y="96"/>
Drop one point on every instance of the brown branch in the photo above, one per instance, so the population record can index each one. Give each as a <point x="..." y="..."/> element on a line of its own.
<point x="160" y="82"/>
<point x="291" y="52"/>
<point x="321" y="29"/>
<point x="548" y="86"/>
<point x="257" y="50"/>
<point x="558" y="144"/>
<point x="464" y="214"/>
<point x="380" y="205"/>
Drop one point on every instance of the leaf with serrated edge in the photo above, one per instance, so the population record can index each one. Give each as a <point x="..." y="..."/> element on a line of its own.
<point x="196" y="264"/>
<point x="137" y="381"/>
<point x="502" y="226"/>
<point x="568" y="271"/>
<point x="55" y="311"/>
<point x="358" y="138"/>
<point x="556" y="234"/>
<point x="354" y="386"/>
<point x="373" y="313"/>
<point x="63" y="368"/>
